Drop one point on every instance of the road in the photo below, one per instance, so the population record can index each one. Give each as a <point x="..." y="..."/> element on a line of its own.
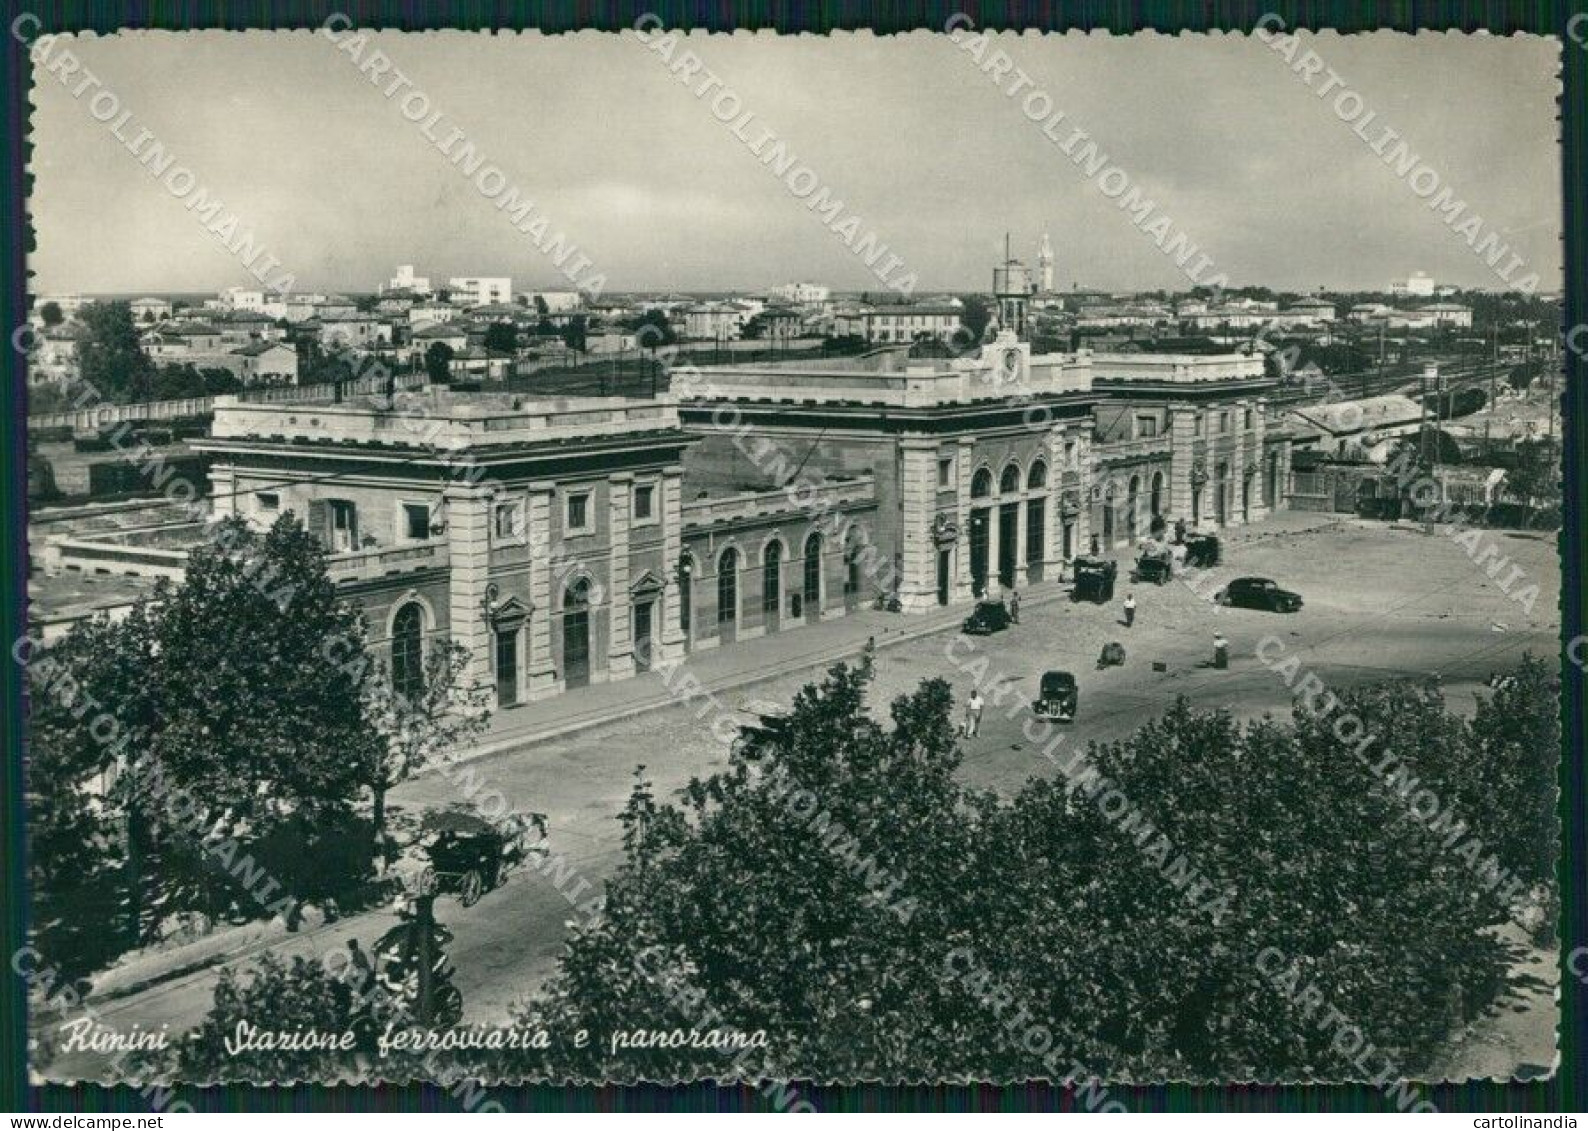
<point x="1381" y="601"/>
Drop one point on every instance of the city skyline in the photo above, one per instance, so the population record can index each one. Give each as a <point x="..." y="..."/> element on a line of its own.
<point x="679" y="203"/>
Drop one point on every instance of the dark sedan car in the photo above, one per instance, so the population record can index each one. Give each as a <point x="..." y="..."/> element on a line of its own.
<point x="1258" y="593"/>
<point x="989" y="617"/>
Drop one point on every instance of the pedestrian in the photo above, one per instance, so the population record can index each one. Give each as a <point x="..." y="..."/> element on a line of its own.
<point x="1221" y="651"/>
<point x="1097" y="546"/>
<point x="359" y="967"/>
<point x="1014" y="606"/>
<point x="973" y="713"/>
<point x="1130" y="609"/>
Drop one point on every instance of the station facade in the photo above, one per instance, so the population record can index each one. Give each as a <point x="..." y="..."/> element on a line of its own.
<point x="565" y="542"/>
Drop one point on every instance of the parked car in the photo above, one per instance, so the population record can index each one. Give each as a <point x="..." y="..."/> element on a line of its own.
<point x="1153" y="568"/>
<point x="1258" y="593"/>
<point x="989" y="617"/>
<point x="1203" y="550"/>
<point x="1057" y="697"/>
<point x="1094" y="580"/>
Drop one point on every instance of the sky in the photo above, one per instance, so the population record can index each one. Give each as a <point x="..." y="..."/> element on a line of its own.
<point x="635" y="169"/>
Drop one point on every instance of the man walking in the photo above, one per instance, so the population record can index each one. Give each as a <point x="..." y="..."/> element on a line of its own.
<point x="973" y="713"/>
<point x="1014" y="606"/>
<point x="1130" y="609"/>
<point x="1221" y="651"/>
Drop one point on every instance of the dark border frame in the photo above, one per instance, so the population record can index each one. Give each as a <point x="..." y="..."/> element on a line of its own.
<point x="1566" y="1091"/>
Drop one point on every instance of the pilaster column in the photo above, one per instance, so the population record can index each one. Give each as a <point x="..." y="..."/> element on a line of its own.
<point x="1182" y="430"/>
<point x="469" y="551"/>
<point x="620" y="647"/>
<point x="994" y="540"/>
<point x="1237" y="465"/>
<point x="965" y="468"/>
<point x="1020" y="539"/>
<point x="670" y="642"/>
<point x="541" y="675"/>
<point x="1053" y="521"/>
<point x="918" y="506"/>
<point x="1260" y="456"/>
<point x="1088" y="477"/>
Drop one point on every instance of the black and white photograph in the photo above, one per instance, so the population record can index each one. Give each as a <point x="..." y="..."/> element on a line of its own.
<point x="649" y="555"/>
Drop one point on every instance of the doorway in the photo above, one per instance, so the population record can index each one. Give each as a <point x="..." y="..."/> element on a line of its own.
<point x="642" y="634"/>
<point x="576" y="635"/>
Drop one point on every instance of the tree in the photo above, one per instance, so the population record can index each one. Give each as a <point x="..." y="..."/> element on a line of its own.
<point x="273" y="995"/>
<point x="112" y="358"/>
<point x="86" y="905"/>
<point x="1515" y="749"/>
<point x="438" y="363"/>
<point x="574" y="334"/>
<point x="975" y="315"/>
<point x="754" y="328"/>
<point x="50" y="312"/>
<point x="423" y="728"/>
<point x="1536" y="478"/>
<point x="501" y="337"/>
<point x="234" y="738"/>
<point x="835" y="885"/>
<point x="652" y="330"/>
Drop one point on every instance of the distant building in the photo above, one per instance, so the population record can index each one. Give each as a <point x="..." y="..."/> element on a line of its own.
<point x="406" y="280"/>
<point x="150" y="309"/>
<point x="711" y="321"/>
<point x="424" y="313"/>
<point x="70" y="304"/>
<point x="241" y="298"/>
<point x="360" y="331"/>
<point x="480" y="290"/>
<point x="1418" y="286"/>
<point x="1449" y="314"/>
<point x="801" y="293"/>
<point x="265" y="362"/>
<point x="553" y="302"/>
<point x="1012" y="288"/>
<point x="887" y="324"/>
<point x="1045" y="265"/>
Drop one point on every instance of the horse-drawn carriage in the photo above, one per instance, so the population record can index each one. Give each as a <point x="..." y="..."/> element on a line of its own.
<point x="470" y="855"/>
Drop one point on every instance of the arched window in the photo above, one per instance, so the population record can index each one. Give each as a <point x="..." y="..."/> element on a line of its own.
<point x="686" y="591"/>
<point x="728" y="586"/>
<point x="981" y="484"/>
<point x="408" y="651"/>
<point x="1038" y="476"/>
<point x="1157" y="493"/>
<point x="772" y="580"/>
<point x="812" y="587"/>
<point x="1009" y="481"/>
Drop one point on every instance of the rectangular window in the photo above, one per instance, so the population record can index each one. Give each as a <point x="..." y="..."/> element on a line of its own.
<point x="945" y="473"/>
<point x="1248" y="419"/>
<point x="344" y="525"/>
<point x="269" y="502"/>
<point x="1146" y="427"/>
<point x="1224" y="422"/>
<point x="644" y="502"/>
<point x="1069" y="454"/>
<point x="416" y="521"/>
<point x="1196" y="427"/>
<point x="509" y="521"/>
<point x="578" y="514"/>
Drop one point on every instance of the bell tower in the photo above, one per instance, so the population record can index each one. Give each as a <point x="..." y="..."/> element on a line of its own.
<point x="1045" y="265"/>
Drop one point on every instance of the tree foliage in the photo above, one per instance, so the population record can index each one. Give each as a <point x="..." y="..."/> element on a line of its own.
<point x="438" y="363"/>
<point x="838" y="888"/>
<point x="501" y="337"/>
<point x="111" y="356"/>
<point x="205" y="749"/>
